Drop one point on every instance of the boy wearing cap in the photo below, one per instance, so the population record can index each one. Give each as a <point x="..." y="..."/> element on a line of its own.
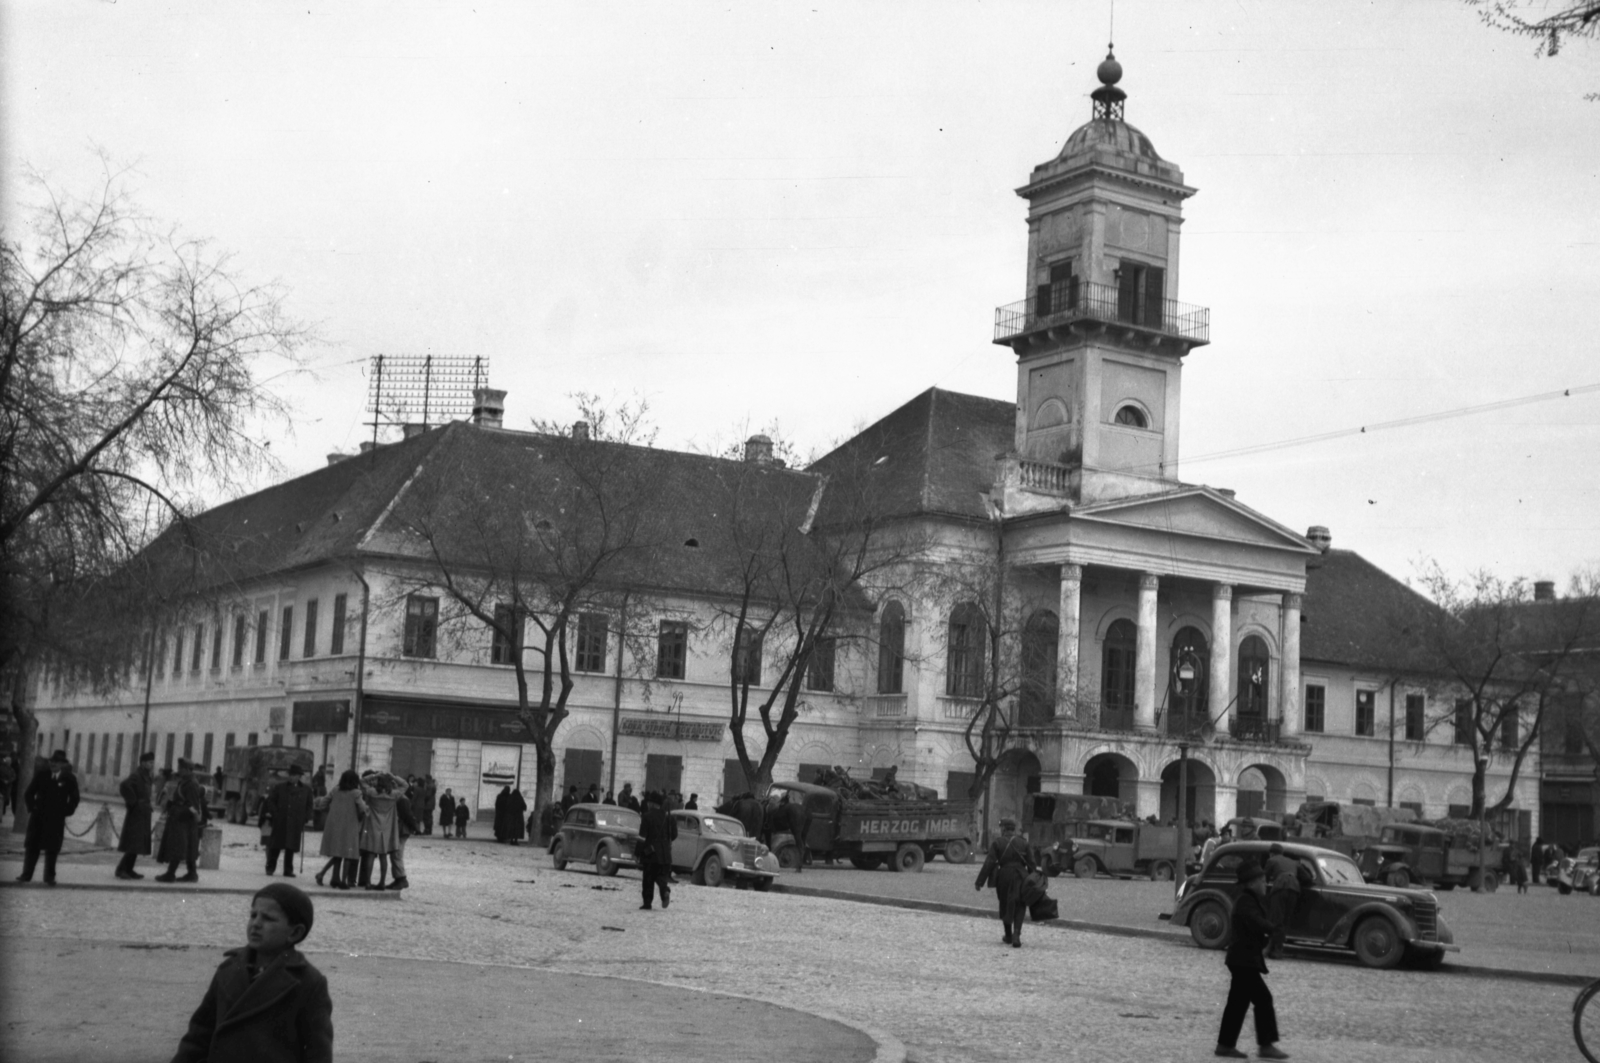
<point x="1251" y="932"/>
<point x="266" y="1002"/>
<point x="52" y="798"/>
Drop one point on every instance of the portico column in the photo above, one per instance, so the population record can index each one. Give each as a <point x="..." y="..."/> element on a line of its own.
<point x="1219" y="706"/>
<point x="1067" y="642"/>
<point x="1291" y="665"/>
<point x="1144" y="673"/>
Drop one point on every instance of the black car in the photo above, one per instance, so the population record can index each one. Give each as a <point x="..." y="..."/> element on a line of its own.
<point x="1338" y="910"/>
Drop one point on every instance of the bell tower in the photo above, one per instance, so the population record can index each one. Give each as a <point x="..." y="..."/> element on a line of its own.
<point x="1100" y="337"/>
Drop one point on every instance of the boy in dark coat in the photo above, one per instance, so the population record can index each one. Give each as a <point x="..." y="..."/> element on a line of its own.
<point x="266" y="1004"/>
<point x="137" y="790"/>
<point x="1252" y="930"/>
<point x="52" y="798"/>
<point x="463" y="813"/>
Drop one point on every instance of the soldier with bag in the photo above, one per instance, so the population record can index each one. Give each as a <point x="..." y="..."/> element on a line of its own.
<point x="1004" y="868"/>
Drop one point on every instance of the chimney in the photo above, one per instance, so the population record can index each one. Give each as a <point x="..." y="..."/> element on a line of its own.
<point x="368" y="446"/>
<point x="488" y="407"/>
<point x="1319" y="536"/>
<point x="758" y="449"/>
<point x="335" y="457"/>
<point x="412" y="430"/>
<point x="580" y="430"/>
<point x="1544" y="590"/>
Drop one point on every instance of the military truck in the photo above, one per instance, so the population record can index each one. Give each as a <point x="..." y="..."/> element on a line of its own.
<point x="902" y="833"/>
<point x="1416" y="852"/>
<point x="1124" y="849"/>
<point x="250" y="772"/>
<point x="1052" y="823"/>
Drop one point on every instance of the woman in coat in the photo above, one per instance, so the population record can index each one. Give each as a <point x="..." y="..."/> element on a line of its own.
<point x="341" y="834"/>
<point x="447" y="812"/>
<point x="380" y="831"/>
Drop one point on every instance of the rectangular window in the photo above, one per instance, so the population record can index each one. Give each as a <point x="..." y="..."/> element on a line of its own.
<point x="198" y="650"/>
<point x="177" y="653"/>
<point x="1369" y="802"/>
<point x="1316" y="708"/>
<point x="422" y="623"/>
<point x="188" y="746"/>
<point x="161" y="657"/>
<point x="1572" y="738"/>
<point x="747" y="657"/>
<point x="1416" y="722"/>
<point x="209" y="749"/>
<point x="506" y="636"/>
<point x="105" y="752"/>
<point x="250" y="739"/>
<point x="116" y="760"/>
<point x="138" y="747"/>
<point x="310" y="647"/>
<point x="239" y="623"/>
<point x="1061" y="294"/>
<point x="819" y="670"/>
<point x="1508" y="728"/>
<point x="1463" y="721"/>
<point x="77" y="749"/>
<point x="261" y="636"/>
<point x="172" y="750"/>
<point x="1366" y="713"/>
<point x="88" y="765"/>
<point x="336" y="635"/>
<point x="1141" y="294"/>
<point x="964" y="653"/>
<point x="592" y="633"/>
<point x="672" y="649"/>
<point x="286" y="633"/>
<point x="1415" y="806"/>
<point x="1460" y="811"/>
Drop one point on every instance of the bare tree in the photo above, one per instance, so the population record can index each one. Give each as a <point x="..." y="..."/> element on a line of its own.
<point x="131" y="376"/>
<point x="1499" y="660"/>
<point x="1549" y="28"/>
<point x="524" y="547"/>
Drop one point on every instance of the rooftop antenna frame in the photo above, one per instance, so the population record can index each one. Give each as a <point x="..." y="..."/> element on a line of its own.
<point x="440" y="387"/>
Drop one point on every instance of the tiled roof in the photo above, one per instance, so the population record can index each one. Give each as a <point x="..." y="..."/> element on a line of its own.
<point x="1353" y="614"/>
<point x="932" y="456"/>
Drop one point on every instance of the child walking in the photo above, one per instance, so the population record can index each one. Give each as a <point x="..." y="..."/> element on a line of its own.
<point x="463" y="813"/>
<point x="266" y="1001"/>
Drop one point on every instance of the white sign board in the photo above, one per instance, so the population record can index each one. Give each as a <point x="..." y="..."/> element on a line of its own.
<point x="500" y="766"/>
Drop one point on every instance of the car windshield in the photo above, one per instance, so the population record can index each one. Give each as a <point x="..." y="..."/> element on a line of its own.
<point x="616" y="817"/>
<point x="720" y="825"/>
<point x="1097" y="830"/>
<point x="1339" y="870"/>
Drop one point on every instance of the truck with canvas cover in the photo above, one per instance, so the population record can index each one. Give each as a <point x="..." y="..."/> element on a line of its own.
<point x="1126" y="848"/>
<point x="1052" y="823"/>
<point x="1418" y="852"/>
<point x="902" y="832"/>
<point x="250" y="773"/>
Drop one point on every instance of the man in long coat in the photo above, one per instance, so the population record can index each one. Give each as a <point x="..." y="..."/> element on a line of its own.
<point x="502" y="815"/>
<point x="794" y="817"/>
<point x="137" y="791"/>
<point x="1008" y="860"/>
<point x="748" y="811"/>
<point x="516" y="817"/>
<point x="289" y="808"/>
<point x="51" y="798"/>
<point x="1284" y="875"/>
<point x="186" y="811"/>
<point x="656" y="833"/>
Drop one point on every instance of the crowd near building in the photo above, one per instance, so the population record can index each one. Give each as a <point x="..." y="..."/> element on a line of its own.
<point x="1158" y="620"/>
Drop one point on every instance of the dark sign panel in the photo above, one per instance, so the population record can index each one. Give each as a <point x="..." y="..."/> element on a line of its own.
<point x="321" y="717"/>
<point x="438" y="720"/>
<point x="670" y="727"/>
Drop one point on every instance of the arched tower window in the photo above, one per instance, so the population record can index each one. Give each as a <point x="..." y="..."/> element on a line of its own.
<point x="1117" y="666"/>
<point x="964" y="652"/>
<point x="1132" y="416"/>
<point x="1037" y="697"/>
<point x="1188" y="683"/>
<point x="892" y="649"/>
<point x="1254" y="670"/>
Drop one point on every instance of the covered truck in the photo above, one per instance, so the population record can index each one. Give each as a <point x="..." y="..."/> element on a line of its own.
<point x="250" y="772"/>
<point x="902" y="830"/>
<point x="1393" y="846"/>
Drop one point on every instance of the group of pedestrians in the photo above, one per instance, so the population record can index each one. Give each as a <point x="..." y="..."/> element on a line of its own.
<point x="369" y="820"/>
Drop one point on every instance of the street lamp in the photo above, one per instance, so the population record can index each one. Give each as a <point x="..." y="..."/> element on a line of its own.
<point x="1483" y="803"/>
<point x="1189" y="673"/>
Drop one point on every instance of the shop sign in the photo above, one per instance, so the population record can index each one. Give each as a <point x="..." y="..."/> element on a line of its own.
<point x="321" y="717"/>
<point x="671" y="727"/>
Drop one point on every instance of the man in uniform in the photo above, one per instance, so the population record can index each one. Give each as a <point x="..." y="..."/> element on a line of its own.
<point x="137" y="790"/>
<point x="1007" y="862"/>
<point x="51" y="799"/>
<point x="289" y="807"/>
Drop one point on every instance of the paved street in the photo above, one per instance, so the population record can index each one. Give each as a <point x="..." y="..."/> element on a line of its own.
<point x="940" y="984"/>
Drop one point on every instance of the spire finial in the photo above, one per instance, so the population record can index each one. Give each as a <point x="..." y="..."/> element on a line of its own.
<point x="1108" y="98"/>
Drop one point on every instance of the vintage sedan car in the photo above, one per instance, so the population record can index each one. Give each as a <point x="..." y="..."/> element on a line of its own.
<point x="1580" y="872"/>
<point x="1339" y="910"/>
<point x="713" y="849"/>
<point x="604" y="834"/>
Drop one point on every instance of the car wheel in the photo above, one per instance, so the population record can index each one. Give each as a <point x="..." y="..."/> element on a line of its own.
<point x="1210" y="925"/>
<point x="1563" y="888"/>
<point x="1378" y="943"/>
<point x="1085" y="867"/>
<point x="1161" y="871"/>
<point x="1398" y="879"/>
<point x="604" y="863"/>
<point x="558" y="856"/>
<point x="789" y="857"/>
<point x="1425" y="959"/>
<point x="711" y="873"/>
<point x="958" y="851"/>
<point x="908" y="857"/>
<point x="861" y="863"/>
<point x="1491" y="882"/>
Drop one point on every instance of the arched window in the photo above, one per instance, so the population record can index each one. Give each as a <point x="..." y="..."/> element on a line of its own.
<point x="1254" y="666"/>
<point x="1188" y="682"/>
<point x="1131" y="416"/>
<point x="1037" y="697"/>
<point x="964" y="656"/>
<point x="892" y="649"/>
<point x="1117" y="666"/>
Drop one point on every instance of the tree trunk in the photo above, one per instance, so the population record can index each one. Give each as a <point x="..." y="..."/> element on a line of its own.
<point x="27" y="748"/>
<point x="544" y="782"/>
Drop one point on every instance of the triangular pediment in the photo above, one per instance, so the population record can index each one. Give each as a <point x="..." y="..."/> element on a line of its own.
<point x="1199" y="512"/>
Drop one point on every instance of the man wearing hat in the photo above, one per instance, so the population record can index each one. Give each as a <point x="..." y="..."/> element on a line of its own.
<point x="51" y="798"/>
<point x="186" y="810"/>
<point x="289" y="808"/>
<point x="1251" y="932"/>
<point x="137" y="790"/>
<point x="1008" y="860"/>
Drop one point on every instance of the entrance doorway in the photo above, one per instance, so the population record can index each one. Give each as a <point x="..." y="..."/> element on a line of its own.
<point x="663" y="772"/>
<point x="411" y="756"/>
<point x="1111" y="775"/>
<point x="1200" y="802"/>
<point x="1015" y="777"/>
<point x="499" y="767"/>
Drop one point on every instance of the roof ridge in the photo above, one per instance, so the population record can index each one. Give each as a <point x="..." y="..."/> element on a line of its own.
<point x="926" y="493"/>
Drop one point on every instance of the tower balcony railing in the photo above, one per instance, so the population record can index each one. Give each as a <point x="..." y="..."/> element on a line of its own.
<point x="1252" y="728"/>
<point x="1107" y="303"/>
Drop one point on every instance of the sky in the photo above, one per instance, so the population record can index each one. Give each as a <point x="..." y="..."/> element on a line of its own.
<point x="800" y="215"/>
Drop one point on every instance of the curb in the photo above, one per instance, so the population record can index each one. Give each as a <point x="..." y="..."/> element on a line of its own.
<point x="191" y="888"/>
<point x="1512" y="974"/>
